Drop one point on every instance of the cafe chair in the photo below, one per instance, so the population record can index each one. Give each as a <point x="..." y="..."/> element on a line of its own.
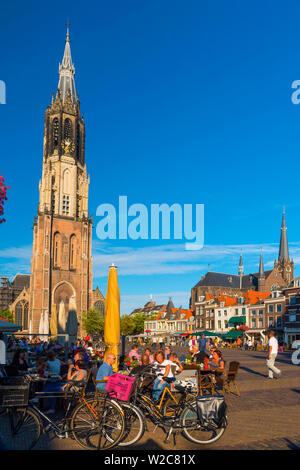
<point x="231" y="376"/>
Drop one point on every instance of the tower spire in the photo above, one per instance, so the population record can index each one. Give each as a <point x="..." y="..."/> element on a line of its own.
<point x="261" y="266"/>
<point x="283" y="247"/>
<point x="66" y="83"/>
<point x="241" y="266"/>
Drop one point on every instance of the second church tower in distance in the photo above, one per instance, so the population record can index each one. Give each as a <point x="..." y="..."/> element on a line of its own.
<point x="61" y="264"/>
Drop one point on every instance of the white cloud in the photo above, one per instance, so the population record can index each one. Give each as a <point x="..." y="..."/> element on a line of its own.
<point x="174" y="259"/>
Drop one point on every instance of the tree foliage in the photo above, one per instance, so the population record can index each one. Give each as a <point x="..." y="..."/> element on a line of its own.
<point x="127" y="325"/>
<point x="93" y="322"/>
<point x="134" y="325"/>
<point x="5" y="313"/>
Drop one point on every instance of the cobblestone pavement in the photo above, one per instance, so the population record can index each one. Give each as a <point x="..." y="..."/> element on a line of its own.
<point x="265" y="416"/>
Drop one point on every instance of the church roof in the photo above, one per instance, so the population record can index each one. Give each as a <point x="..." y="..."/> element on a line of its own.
<point x="20" y="281"/>
<point x="212" y="279"/>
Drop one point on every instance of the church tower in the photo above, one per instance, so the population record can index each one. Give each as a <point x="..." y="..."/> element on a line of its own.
<point x="261" y="275"/>
<point x="285" y="264"/>
<point x="61" y="264"/>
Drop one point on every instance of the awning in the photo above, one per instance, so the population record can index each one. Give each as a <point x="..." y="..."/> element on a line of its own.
<point x="232" y="334"/>
<point x="7" y="327"/>
<point x="238" y="320"/>
<point x="207" y="333"/>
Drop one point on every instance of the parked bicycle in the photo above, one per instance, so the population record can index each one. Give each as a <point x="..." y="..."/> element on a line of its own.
<point x="96" y="423"/>
<point x="185" y="416"/>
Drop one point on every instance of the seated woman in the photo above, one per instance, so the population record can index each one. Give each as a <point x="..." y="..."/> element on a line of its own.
<point x="75" y="373"/>
<point x="175" y="365"/>
<point x="53" y="364"/>
<point x="217" y="361"/>
<point x="19" y="362"/>
<point x="162" y="370"/>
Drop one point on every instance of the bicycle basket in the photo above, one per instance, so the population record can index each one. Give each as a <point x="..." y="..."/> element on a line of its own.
<point x="120" y="386"/>
<point x="211" y="411"/>
<point x="14" y="391"/>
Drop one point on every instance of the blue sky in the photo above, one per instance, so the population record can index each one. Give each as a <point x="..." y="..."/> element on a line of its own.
<point x="184" y="102"/>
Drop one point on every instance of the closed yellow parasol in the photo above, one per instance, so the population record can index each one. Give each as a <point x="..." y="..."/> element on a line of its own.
<point x="112" y="316"/>
<point x="53" y="321"/>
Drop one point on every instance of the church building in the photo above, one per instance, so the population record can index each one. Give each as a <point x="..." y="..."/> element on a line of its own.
<point x="262" y="281"/>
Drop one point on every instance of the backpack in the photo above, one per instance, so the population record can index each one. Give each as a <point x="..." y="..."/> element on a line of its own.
<point x="211" y="411"/>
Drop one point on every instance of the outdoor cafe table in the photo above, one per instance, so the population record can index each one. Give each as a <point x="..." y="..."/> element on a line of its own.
<point x="202" y="373"/>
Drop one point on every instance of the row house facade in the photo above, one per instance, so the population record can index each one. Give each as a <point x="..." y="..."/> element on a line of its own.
<point x="291" y="330"/>
<point x="257" y="310"/>
<point x="171" y="320"/>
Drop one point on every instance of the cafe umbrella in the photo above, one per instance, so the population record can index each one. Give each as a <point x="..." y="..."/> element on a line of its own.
<point x="72" y="323"/>
<point x="53" y="321"/>
<point x="46" y="325"/>
<point x="41" y="324"/>
<point x="112" y="315"/>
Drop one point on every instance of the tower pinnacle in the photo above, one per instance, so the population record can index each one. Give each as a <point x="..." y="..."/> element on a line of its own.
<point x="261" y="266"/>
<point x="283" y="248"/>
<point x="66" y="83"/>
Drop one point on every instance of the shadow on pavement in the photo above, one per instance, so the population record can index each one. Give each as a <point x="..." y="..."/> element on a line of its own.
<point x="291" y="445"/>
<point x="282" y="361"/>
<point x="252" y="371"/>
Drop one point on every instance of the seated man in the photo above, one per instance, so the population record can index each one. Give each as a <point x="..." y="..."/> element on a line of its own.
<point x="105" y="370"/>
<point x="144" y="365"/>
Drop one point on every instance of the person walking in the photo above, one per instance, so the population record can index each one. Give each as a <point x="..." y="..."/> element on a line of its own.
<point x="272" y="354"/>
<point x="202" y="342"/>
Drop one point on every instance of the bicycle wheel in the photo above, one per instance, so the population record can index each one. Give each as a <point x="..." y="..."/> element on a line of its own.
<point x="193" y="430"/>
<point x="135" y="425"/>
<point x="98" y="423"/>
<point x="20" y="429"/>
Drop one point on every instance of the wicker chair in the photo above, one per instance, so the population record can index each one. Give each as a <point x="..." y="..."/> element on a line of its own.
<point x="231" y="376"/>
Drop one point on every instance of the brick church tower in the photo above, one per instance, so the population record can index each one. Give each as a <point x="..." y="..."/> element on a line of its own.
<point x="61" y="263"/>
<point x="284" y="264"/>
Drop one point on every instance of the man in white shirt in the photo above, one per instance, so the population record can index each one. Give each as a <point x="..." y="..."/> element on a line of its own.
<point x="272" y="353"/>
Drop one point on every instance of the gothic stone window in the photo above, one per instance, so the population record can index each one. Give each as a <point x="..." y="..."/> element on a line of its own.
<point x="68" y="129"/>
<point x="78" y="142"/>
<point x="73" y="252"/>
<point x="99" y="305"/>
<point x="21" y="315"/>
<point x="56" y="249"/>
<point x="55" y="132"/>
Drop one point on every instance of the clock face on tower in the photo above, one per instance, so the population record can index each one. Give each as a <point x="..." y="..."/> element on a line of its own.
<point x="68" y="146"/>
